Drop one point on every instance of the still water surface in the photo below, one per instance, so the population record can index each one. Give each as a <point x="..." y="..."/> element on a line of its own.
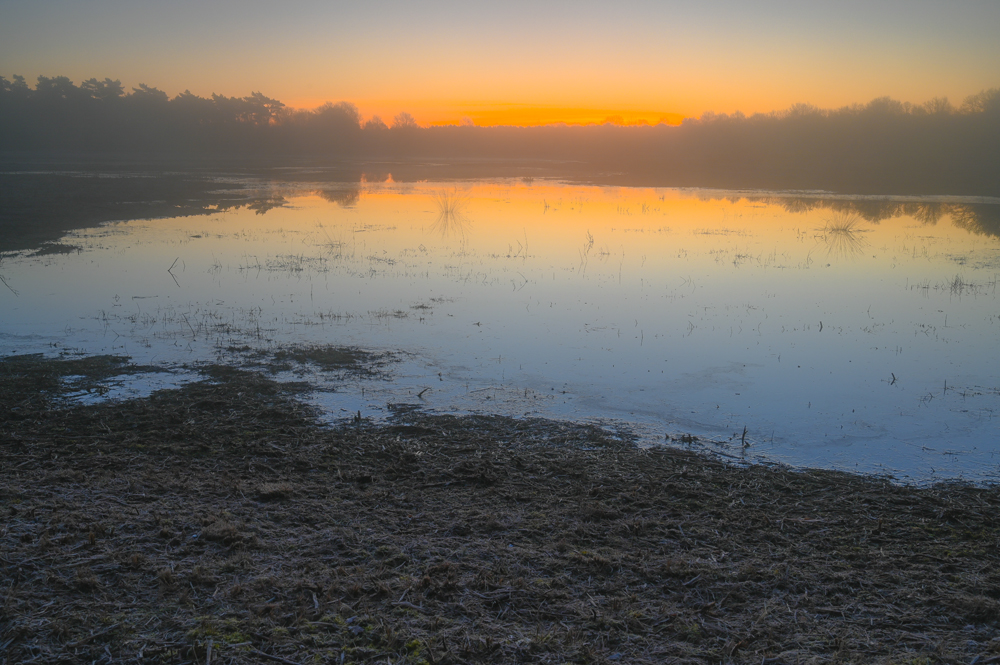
<point x="845" y="333"/>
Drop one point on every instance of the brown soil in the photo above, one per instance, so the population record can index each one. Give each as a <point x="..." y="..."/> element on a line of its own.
<point x="221" y="523"/>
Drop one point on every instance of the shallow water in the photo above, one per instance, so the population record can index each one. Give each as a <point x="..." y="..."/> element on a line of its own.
<point x="857" y="334"/>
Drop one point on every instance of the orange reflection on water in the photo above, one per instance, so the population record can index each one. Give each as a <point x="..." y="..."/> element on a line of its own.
<point x="697" y="310"/>
<point x="644" y="231"/>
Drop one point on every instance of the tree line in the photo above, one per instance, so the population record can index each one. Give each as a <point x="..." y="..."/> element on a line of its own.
<point x="882" y="147"/>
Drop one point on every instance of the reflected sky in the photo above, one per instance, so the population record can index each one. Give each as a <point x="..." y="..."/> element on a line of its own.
<point x="838" y="337"/>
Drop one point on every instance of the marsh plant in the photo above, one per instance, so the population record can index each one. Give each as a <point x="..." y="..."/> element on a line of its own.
<point x="452" y="218"/>
<point x="959" y="286"/>
<point x="842" y="235"/>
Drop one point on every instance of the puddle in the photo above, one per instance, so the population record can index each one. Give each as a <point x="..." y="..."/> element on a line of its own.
<point x="839" y="332"/>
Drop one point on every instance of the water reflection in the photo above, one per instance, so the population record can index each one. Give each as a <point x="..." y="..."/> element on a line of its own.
<point x="827" y="327"/>
<point x="263" y="204"/>
<point x="979" y="218"/>
<point x="41" y="205"/>
<point x="346" y="197"/>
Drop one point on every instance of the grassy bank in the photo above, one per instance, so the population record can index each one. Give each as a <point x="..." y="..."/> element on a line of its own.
<point x="221" y="523"/>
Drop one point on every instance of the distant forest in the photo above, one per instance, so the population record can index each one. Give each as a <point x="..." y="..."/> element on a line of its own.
<point x="882" y="147"/>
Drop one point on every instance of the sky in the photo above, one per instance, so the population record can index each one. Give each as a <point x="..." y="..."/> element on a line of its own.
<point x="518" y="62"/>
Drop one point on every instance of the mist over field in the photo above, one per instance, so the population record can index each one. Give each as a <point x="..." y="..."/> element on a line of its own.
<point x="884" y="146"/>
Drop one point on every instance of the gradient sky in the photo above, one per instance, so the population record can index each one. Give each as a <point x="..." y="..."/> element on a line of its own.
<point x="518" y="62"/>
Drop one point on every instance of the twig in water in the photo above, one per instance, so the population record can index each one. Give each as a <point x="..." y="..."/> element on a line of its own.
<point x="8" y="286"/>
<point x="194" y="335"/>
<point x="170" y="272"/>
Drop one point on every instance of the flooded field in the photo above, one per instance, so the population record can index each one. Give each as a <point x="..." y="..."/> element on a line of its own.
<point x="857" y="334"/>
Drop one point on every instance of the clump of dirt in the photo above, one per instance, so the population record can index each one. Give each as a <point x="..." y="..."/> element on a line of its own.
<point x="220" y="522"/>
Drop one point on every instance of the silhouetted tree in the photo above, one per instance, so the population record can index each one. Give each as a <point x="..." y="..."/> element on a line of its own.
<point x="404" y="120"/>
<point x="147" y="95"/>
<point x="884" y="146"/>
<point x="938" y="106"/>
<point x="987" y="101"/>
<point x="105" y="91"/>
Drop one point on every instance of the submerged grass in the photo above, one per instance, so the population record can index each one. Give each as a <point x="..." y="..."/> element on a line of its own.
<point x="325" y="357"/>
<point x="338" y="360"/>
<point x="220" y="522"/>
<point x="33" y="379"/>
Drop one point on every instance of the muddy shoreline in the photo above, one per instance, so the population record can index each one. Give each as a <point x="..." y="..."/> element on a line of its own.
<point x="221" y="522"/>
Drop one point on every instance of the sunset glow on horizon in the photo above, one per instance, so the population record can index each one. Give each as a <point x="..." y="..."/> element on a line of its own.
<point x="519" y="63"/>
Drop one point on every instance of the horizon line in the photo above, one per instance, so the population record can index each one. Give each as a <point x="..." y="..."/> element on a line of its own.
<point x="510" y="114"/>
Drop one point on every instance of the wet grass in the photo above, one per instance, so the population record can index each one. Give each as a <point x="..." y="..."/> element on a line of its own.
<point x="326" y="357"/>
<point x="341" y="361"/>
<point x="220" y="522"/>
<point x="32" y="379"/>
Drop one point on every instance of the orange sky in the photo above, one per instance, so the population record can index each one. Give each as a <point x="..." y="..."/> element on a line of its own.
<point x="486" y="114"/>
<point x="520" y="62"/>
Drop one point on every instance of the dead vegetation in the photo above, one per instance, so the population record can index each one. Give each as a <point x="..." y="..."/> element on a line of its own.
<point x="327" y="357"/>
<point x="330" y="359"/>
<point x="30" y="384"/>
<point x="220" y="523"/>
